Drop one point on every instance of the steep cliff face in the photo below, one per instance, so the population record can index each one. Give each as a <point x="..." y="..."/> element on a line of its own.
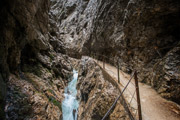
<point x="21" y="26"/>
<point x="152" y="44"/>
<point x="90" y="25"/>
<point x="141" y="34"/>
<point x="96" y="93"/>
<point x="33" y="70"/>
<point x="35" y="35"/>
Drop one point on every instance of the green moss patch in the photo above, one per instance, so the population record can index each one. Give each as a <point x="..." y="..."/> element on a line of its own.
<point x="52" y="92"/>
<point x="55" y="102"/>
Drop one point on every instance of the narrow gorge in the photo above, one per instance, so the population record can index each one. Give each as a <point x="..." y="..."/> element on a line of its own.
<point x="52" y="54"/>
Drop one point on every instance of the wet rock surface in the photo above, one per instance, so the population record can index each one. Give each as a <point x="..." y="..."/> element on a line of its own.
<point x="140" y="34"/>
<point x="96" y="93"/>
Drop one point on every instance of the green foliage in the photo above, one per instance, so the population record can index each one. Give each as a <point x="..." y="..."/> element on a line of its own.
<point x="55" y="102"/>
<point x="51" y="91"/>
<point x="51" y="56"/>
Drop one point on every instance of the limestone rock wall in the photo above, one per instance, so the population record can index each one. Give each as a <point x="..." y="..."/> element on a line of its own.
<point x="33" y="67"/>
<point x="35" y="35"/>
<point x="141" y="34"/>
<point x="96" y="93"/>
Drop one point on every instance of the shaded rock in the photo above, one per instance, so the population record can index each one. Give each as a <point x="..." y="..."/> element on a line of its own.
<point x="96" y="92"/>
<point x="166" y="75"/>
<point x="31" y="62"/>
<point x="2" y="96"/>
<point x="33" y="98"/>
<point x="138" y="33"/>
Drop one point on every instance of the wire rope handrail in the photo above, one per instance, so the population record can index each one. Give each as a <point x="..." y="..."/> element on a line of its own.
<point x="117" y="98"/>
<point x="121" y="81"/>
<point x="111" y="59"/>
<point x="132" y="98"/>
<point x="135" y="84"/>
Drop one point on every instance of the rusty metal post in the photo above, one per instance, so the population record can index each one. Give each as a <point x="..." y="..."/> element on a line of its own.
<point x="118" y="72"/>
<point x="138" y="96"/>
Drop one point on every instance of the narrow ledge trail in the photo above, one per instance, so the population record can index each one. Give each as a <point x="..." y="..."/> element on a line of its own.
<point x="154" y="107"/>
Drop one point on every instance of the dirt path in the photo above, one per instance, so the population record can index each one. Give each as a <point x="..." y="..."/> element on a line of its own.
<point x="154" y="107"/>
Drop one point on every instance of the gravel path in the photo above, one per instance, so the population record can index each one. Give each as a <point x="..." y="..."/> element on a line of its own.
<point x="154" y="107"/>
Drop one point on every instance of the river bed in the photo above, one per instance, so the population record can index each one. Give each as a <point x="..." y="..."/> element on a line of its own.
<point x="70" y="104"/>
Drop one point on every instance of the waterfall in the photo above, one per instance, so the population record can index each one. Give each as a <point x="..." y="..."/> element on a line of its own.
<point x="70" y="104"/>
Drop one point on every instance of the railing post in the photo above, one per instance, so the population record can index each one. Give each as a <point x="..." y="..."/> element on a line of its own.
<point x="138" y="96"/>
<point x="118" y="72"/>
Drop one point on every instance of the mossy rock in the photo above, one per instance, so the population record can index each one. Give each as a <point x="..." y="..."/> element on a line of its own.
<point x="36" y="69"/>
<point x="55" y="102"/>
<point x="52" y="92"/>
<point x="52" y="56"/>
<point x="32" y="80"/>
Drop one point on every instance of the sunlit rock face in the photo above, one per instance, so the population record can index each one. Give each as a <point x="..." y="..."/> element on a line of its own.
<point x="142" y="34"/>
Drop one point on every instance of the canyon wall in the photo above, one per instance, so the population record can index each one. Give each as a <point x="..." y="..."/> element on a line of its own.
<point x="36" y="35"/>
<point x="97" y="92"/>
<point x="33" y="69"/>
<point x="141" y="34"/>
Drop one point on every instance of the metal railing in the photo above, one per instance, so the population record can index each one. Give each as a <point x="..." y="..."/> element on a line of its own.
<point x="124" y="86"/>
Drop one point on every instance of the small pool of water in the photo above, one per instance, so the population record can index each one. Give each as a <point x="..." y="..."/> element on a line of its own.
<point x="70" y="104"/>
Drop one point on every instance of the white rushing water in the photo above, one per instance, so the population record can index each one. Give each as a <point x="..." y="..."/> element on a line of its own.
<point x="70" y="104"/>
